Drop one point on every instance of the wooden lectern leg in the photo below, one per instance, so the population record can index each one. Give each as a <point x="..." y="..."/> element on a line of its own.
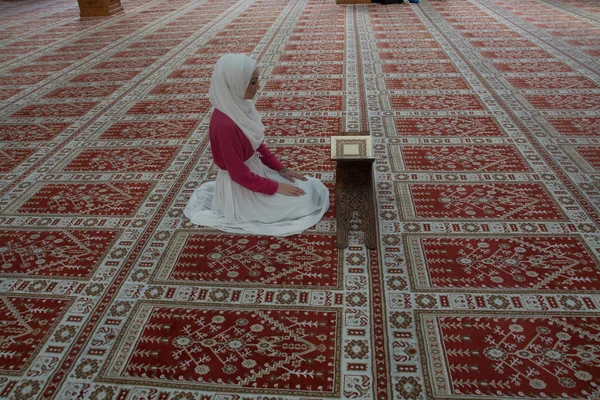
<point x="343" y="222"/>
<point x="371" y="228"/>
<point x="359" y="200"/>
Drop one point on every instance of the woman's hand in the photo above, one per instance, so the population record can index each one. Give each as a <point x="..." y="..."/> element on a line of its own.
<point x="291" y="174"/>
<point x="289" y="190"/>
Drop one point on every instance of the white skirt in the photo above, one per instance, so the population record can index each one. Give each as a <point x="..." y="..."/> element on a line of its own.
<point x="230" y="207"/>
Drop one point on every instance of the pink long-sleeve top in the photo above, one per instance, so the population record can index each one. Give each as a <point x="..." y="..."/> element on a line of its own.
<point x="231" y="148"/>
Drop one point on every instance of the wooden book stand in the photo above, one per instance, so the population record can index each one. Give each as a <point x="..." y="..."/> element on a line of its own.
<point x="354" y="188"/>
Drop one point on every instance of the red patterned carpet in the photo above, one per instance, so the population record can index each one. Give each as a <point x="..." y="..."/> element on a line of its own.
<point x="485" y="117"/>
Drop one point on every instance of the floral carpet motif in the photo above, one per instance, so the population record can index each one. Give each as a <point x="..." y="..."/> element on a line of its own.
<point x="515" y="262"/>
<point x="500" y="355"/>
<point x="117" y="198"/>
<point x="26" y="324"/>
<point x="68" y="253"/>
<point x="458" y="158"/>
<point x="276" y="350"/>
<point x="522" y="201"/>
<point x="307" y="261"/>
<point x="123" y="160"/>
<point x="484" y="117"/>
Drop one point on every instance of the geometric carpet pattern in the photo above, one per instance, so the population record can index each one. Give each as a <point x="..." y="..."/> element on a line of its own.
<point x="485" y="123"/>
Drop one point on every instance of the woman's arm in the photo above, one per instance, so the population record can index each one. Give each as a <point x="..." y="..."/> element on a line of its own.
<point x="268" y="158"/>
<point x="271" y="161"/>
<point x="232" y="152"/>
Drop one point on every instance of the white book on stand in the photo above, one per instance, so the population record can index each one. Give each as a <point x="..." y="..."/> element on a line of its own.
<point x="351" y="147"/>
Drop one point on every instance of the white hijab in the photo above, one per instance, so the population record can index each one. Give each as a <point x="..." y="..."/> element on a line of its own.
<point x="228" y="85"/>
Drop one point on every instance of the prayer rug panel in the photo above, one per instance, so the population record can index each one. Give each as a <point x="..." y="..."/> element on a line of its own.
<point x="155" y="43"/>
<point x="296" y="85"/>
<point x="502" y="263"/>
<point x="259" y="349"/>
<point x="27" y="323"/>
<point x="241" y="48"/>
<point x="303" y="127"/>
<point x="492" y="34"/>
<point x="439" y="102"/>
<point x="576" y="126"/>
<point x="140" y="159"/>
<point x="6" y="94"/>
<point x="564" y="102"/>
<point x="426" y="67"/>
<point x="224" y="49"/>
<point x="312" y="103"/>
<point x="35" y="68"/>
<point x="157" y="107"/>
<point x="99" y="77"/>
<point x="129" y="64"/>
<point x="517" y="54"/>
<point x="454" y="126"/>
<point x="502" y="43"/>
<point x="592" y="52"/>
<point x="54" y="110"/>
<point x="532" y="67"/>
<point x="588" y="41"/>
<point x="490" y="158"/>
<point x="302" y="35"/>
<point x="333" y="46"/>
<point x="64" y="57"/>
<point x="66" y="253"/>
<point x="224" y="36"/>
<point x="21" y="80"/>
<point x="500" y="355"/>
<point x="11" y="158"/>
<point x="487" y="21"/>
<point x="476" y="25"/>
<point x="82" y="92"/>
<point x="188" y="88"/>
<point x="402" y="35"/>
<point x="313" y="69"/>
<point x="311" y="57"/>
<point x="318" y="27"/>
<point x="84" y="198"/>
<point x="87" y="47"/>
<point x="430" y="83"/>
<point x="553" y="82"/>
<point x="141" y="53"/>
<point x="415" y="33"/>
<point x="309" y="261"/>
<point x="206" y="61"/>
<point x="413" y="55"/>
<point x="305" y="158"/>
<point x="497" y="201"/>
<point x="408" y="45"/>
<point x="179" y="129"/>
<point x="591" y="154"/>
<point x="192" y="73"/>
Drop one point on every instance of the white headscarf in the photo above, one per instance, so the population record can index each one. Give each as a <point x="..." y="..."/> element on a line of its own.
<point x="228" y="85"/>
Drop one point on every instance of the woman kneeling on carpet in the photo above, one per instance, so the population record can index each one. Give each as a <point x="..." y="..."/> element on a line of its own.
<point x="252" y="193"/>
